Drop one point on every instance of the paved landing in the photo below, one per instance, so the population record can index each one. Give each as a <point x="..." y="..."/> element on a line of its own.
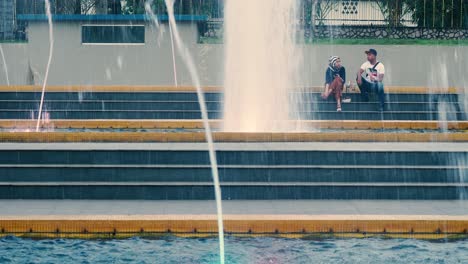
<point x="282" y="207"/>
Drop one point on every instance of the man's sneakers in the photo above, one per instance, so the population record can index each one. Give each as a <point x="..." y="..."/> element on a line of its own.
<point x="338" y="109"/>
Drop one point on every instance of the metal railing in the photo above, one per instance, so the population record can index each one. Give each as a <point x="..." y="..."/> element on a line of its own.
<point x="392" y="13"/>
<point x="445" y="14"/>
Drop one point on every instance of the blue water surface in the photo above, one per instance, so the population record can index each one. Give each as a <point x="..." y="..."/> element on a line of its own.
<point x="238" y="250"/>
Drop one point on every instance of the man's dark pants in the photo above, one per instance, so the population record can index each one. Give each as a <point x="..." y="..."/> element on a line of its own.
<point x="376" y="87"/>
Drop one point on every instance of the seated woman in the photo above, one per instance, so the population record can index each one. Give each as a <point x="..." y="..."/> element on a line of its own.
<point x="335" y="79"/>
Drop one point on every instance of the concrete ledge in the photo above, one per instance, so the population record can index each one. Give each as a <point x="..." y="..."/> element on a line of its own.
<point x="231" y="146"/>
<point x="92" y="226"/>
<point x="217" y="124"/>
<point x="128" y="88"/>
<point x="44" y="137"/>
<point x="108" y="18"/>
<point x="289" y="218"/>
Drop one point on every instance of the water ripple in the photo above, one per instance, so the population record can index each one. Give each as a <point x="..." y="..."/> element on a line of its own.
<point x="238" y="250"/>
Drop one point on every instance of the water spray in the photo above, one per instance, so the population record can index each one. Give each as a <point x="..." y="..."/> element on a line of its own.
<point x="187" y="58"/>
<point x="5" y="67"/>
<point x="51" y="49"/>
<point x="154" y="18"/>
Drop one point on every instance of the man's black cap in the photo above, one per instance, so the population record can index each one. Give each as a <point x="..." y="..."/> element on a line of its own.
<point x="371" y="51"/>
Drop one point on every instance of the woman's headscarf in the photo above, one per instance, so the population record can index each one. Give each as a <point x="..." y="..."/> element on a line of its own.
<point x="332" y="62"/>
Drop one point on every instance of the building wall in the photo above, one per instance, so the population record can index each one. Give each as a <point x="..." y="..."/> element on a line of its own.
<point x="17" y="63"/>
<point x="151" y="64"/>
<point x="75" y="63"/>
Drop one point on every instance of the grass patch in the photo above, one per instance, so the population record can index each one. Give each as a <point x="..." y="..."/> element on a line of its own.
<point x="425" y="42"/>
<point x="12" y="41"/>
<point x="210" y="40"/>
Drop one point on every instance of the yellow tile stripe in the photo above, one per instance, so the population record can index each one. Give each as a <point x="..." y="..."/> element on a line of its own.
<point x="142" y="88"/>
<point x="248" y="225"/>
<point x="116" y="124"/>
<point x="229" y="137"/>
<point x="217" y="124"/>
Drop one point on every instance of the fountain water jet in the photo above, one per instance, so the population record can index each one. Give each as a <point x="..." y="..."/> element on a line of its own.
<point x="5" y="66"/>
<point x="261" y="61"/>
<point x="51" y="49"/>
<point x="154" y="18"/>
<point x="187" y="58"/>
<point x="173" y="55"/>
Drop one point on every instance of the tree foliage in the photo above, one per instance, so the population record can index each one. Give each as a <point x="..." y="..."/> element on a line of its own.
<point x="440" y="13"/>
<point x="425" y="13"/>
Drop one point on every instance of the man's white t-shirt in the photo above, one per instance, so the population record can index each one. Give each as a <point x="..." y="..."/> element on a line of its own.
<point x="369" y="70"/>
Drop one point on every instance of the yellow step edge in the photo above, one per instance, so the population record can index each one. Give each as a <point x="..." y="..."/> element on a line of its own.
<point x="44" y="137"/>
<point x="150" y="88"/>
<point x="217" y="124"/>
<point x="243" y="225"/>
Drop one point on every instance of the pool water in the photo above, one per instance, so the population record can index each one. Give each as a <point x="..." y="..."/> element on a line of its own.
<point x="238" y="250"/>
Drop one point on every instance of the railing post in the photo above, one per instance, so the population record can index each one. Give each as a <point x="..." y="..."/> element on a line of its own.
<point x="461" y="13"/>
<point x="453" y="11"/>
<point x="443" y="13"/>
<point x="424" y="14"/>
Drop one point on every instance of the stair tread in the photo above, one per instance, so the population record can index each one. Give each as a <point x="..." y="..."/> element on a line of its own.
<point x="197" y="111"/>
<point x="441" y="167"/>
<point x="196" y="102"/>
<point x="426" y="147"/>
<point x="289" y="184"/>
<point x="373" y="209"/>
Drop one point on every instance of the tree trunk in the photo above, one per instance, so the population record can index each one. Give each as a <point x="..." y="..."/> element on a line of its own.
<point x="186" y="6"/>
<point x="395" y="13"/>
<point x="313" y="16"/>
<point x="77" y="7"/>
<point x="114" y="7"/>
<point x="101" y="6"/>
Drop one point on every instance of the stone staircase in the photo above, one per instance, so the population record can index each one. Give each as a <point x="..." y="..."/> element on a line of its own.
<point x="248" y="170"/>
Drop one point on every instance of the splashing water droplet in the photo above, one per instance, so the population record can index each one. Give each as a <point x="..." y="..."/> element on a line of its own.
<point x="119" y="62"/>
<point x="108" y="74"/>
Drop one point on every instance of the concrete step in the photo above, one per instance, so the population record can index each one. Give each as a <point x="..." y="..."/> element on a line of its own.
<point x="232" y="173"/>
<point x="307" y="125"/>
<point x="209" y="96"/>
<point x="28" y="105"/>
<point x="327" y="209"/>
<point x="194" y="114"/>
<point x="253" y="171"/>
<point x="230" y="191"/>
<point x="240" y="157"/>
<point x="428" y="219"/>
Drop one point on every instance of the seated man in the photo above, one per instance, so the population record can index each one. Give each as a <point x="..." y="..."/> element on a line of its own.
<point x="335" y="78"/>
<point x="370" y="77"/>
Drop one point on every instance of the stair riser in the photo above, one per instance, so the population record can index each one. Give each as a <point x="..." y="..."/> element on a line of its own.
<point x="191" y="96"/>
<point x="194" y="106"/>
<point x="218" y="115"/>
<point x="232" y="175"/>
<point x="229" y="192"/>
<point x="149" y="157"/>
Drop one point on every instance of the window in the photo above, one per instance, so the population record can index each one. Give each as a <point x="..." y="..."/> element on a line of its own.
<point x="113" y="34"/>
